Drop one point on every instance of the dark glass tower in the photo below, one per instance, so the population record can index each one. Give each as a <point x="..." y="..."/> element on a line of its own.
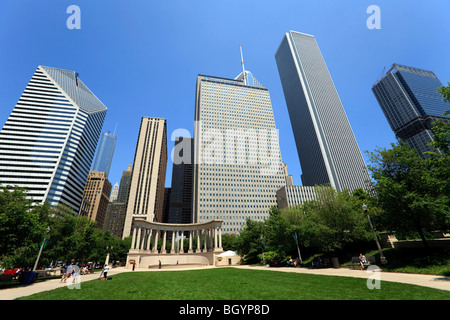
<point x="410" y="102"/>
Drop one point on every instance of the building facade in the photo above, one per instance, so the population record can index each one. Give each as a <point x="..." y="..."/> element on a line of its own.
<point x="180" y="203"/>
<point x="146" y="193"/>
<point x="237" y="160"/>
<point x="409" y="100"/>
<point x="105" y="153"/>
<point x="326" y="145"/>
<point x="49" y="140"/>
<point x="114" y="193"/>
<point x="290" y="195"/>
<point x="117" y="210"/>
<point x="96" y="195"/>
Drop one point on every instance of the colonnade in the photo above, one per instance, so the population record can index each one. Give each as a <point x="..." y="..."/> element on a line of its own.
<point x="146" y="236"/>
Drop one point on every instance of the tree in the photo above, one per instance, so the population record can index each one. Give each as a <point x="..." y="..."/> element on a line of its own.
<point x="333" y="220"/>
<point x="22" y="227"/>
<point x="249" y="240"/>
<point x="408" y="190"/>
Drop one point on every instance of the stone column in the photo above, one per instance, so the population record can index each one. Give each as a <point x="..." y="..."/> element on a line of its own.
<point x="172" y="250"/>
<point x="149" y="239"/>
<point x="190" y="241"/>
<point x="215" y="238"/>
<point x="205" y="248"/>
<point x="199" y="242"/>
<point x="133" y="241"/>
<point x="220" y="239"/>
<point x="163" y="246"/>
<point x="138" y="238"/>
<point x="143" y="237"/>
<point x="155" y="246"/>
<point x="181" y="242"/>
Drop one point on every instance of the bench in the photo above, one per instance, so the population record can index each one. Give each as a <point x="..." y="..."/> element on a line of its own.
<point x="356" y="262"/>
<point x="321" y="263"/>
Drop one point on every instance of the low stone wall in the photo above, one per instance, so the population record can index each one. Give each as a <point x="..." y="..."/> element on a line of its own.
<point x="149" y="260"/>
<point x="390" y="241"/>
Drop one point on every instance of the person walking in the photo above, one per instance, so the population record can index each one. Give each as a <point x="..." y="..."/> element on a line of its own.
<point x="63" y="273"/>
<point x="134" y="265"/>
<point x="105" y="271"/>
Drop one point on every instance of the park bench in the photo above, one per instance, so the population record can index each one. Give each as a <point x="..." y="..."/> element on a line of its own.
<point x="321" y="263"/>
<point x="355" y="262"/>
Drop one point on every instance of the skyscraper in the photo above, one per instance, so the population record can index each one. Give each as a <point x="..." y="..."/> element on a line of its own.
<point x="96" y="195"/>
<point x="326" y="145"/>
<point x="105" y="153"/>
<point x="238" y="167"/>
<point x="180" y="203"/>
<point x="146" y="194"/>
<point x="49" y="140"/>
<point x="124" y="186"/>
<point x="117" y="210"/>
<point x="114" y="193"/>
<point x="410" y="102"/>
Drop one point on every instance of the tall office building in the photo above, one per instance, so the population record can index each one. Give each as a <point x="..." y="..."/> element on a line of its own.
<point x="96" y="195"/>
<point x="146" y="194"/>
<point x="410" y="102"/>
<point x="117" y="210"/>
<point x="180" y="202"/>
<point x="238" y="167"/>
<point x="105" y="153"/>
<point x="114" y="193"/>
<point x="124" y="186"/>
<point x="326" y="145"/>
<point x="49" y="140"/>
<point x="290" y="196"/>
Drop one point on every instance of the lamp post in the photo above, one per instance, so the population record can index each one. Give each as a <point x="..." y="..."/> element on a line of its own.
<point x="262" y="246"/>
<point x="40" y="251"/>
<point x="107" y="255"/>
<point x="382" y="257"/>
<point x="298" y="248"/>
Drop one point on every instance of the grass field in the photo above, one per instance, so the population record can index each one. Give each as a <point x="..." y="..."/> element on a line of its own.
<point x="236" y="284"/>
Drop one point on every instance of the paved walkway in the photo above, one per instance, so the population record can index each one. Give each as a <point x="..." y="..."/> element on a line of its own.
<point x="432" y="281"/>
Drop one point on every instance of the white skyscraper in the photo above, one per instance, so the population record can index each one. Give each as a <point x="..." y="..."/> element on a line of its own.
<point x="49" y="140"/>
<point x="238" y="166"/>
<point x="326" y="145"/>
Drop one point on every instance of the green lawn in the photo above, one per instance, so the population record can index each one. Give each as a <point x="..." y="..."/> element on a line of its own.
<point x="236" y="284"/>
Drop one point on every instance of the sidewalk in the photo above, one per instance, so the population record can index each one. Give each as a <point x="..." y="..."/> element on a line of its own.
<point x="26" y="290"/>
<point x="432" y="281"/>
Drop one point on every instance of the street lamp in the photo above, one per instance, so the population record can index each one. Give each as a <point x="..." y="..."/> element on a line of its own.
<point x="382" y="257"/>
<point x="40" y="251"/>
<point x="262" y="246"/>
<point x="298" y="248"/>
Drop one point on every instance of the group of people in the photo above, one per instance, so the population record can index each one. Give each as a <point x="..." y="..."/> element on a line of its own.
<point x="293" y="262"/>
<point x="73" y="271"/>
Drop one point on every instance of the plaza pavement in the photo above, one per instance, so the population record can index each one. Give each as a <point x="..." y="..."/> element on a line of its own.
<point x="432" y="281"/>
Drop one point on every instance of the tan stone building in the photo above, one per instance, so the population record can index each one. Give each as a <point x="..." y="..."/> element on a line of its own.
<point x="146" y="194"/>
<point x="96" y="196"/>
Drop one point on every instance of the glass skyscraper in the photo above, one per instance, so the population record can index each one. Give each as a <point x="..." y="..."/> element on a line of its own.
<point x="326" y="145"/>
<point x="409" y="99"/>
<point x="237" y="162"/>
<point x="105" y="153"/>
<point x="49" y="140"/>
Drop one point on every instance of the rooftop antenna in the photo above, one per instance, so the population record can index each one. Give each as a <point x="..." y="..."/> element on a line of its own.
<point x="243" y="69"/>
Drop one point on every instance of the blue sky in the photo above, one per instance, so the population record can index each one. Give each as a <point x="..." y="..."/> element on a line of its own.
<point x="142" y="57"/>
